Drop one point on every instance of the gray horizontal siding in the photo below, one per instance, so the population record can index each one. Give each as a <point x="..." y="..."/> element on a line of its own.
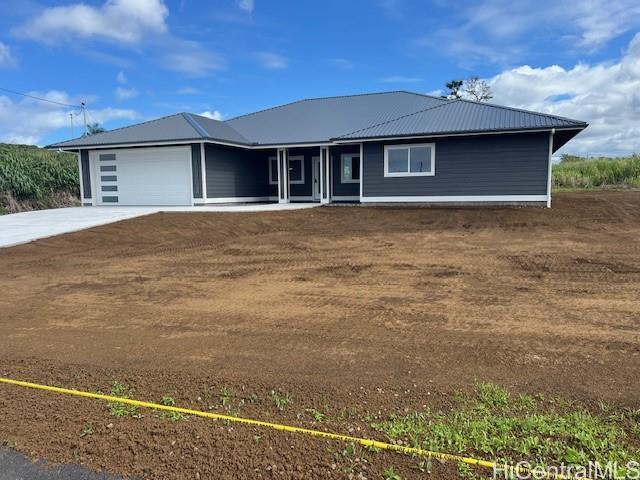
<point x="234" y="172"/>
<point x="339" y="188"/>
<point x="196" y="170"/>
<point x="304" y="189"/>
<point x="513" y="164"/>
<point x="86" y="173"/>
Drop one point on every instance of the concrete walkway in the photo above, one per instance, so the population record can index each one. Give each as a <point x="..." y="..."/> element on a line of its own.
<point x="18" y="228"/>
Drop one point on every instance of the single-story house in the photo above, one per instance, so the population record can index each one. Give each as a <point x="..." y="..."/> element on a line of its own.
<point x="370" y="148"/>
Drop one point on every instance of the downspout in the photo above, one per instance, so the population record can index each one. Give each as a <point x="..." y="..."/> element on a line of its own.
<point x="549" y="174"/>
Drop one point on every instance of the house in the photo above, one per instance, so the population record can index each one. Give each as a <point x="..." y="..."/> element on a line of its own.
<point x="370" y="148"/>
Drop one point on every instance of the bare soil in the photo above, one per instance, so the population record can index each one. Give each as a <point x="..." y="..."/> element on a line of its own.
<point x="349" y="310"/>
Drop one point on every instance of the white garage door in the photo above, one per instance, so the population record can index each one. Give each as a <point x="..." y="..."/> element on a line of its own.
<point x="143" y="176"/>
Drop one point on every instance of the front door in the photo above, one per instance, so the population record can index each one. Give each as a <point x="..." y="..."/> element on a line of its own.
<point x="316" y="178"/>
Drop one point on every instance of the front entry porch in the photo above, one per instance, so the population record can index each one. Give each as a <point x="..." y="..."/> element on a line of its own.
<point x="322" y="174"/>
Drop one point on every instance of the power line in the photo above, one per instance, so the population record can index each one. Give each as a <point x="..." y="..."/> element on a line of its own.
<point x="41" y="99"/>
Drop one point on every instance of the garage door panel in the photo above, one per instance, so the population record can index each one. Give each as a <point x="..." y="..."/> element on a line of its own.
<point x="153" y="176"/>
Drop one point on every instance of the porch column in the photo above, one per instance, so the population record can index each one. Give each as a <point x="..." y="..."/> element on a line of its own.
<point x="203" y="166"/>
<point x="283" y="175"/>
<point x="325" y="196"/>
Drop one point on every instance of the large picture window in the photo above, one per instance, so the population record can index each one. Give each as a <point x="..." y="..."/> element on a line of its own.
<point x="350" y="168"/>
<point x="409" y="160"/>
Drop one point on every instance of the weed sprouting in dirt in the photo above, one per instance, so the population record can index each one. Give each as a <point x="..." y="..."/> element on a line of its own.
<point x="315" y="414"/>
<point x="226" y="396"/>
<point x="117" y="409"/>
<point x="9" y="442"/>
<point x="169" y="401"/>
<point x="390" y="474"/>
<point x="86" y="430"/>
<point x="281" y="399"/>
<point x="491" y="422"/>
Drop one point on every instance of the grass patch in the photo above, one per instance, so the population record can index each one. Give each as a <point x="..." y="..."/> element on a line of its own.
<point x="29" y="173"/>
<point x="117" y="409"/>
<point x="494" y="424"/>
<point x="578" y="173"/>
<point x="280" y="399"/>
<point x="172" y="416"/>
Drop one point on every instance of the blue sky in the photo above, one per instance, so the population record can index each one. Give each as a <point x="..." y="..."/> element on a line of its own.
<point x="132" y="60"/>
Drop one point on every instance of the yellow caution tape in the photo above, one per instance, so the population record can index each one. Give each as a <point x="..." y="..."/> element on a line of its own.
<point x="446" y="457"/>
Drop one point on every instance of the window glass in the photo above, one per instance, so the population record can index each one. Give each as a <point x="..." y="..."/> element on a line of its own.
<point x="346" y="168"/>
<point x="420" y="159"/>
<point x="398" y="160"/>
<point x="274" y="170"/>
<point x="355" y="168"/>
<point x="295" y="170"/>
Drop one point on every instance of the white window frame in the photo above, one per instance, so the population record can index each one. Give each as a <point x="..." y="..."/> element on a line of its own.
<point x="273" y="181"/>
<point x="408" y="147"/>
<point x="342" y="178"/>
<point x="293" y="158"/>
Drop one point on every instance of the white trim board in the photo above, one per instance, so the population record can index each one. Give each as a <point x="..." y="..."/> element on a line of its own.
<point x="457" y="198"/>
<point x="239" y="199"/>
<point x="353" y="141"/>
<point x="345" y="197"/>
<point x="444" y="135"/>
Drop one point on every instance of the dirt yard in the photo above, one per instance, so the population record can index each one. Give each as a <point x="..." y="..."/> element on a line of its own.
<point x="347" y="310"/>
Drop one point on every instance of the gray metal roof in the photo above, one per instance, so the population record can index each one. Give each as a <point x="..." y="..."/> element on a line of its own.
<point x="463" y="116"/>
<point x="321" y="120"/>
<point x="174" y="127"/>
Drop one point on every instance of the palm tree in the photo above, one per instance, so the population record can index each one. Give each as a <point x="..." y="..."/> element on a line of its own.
<point x="94" y="128"/>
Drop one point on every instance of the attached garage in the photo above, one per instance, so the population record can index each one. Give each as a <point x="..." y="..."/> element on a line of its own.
<point x="142" y="176"/>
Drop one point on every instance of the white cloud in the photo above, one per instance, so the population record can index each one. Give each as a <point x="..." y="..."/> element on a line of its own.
<point x="29" y="121"/>
<point x="273" y="61"/>
<point x="188" y="91"/>
<point x="400" y="79"/>
<point x="215" y="115"/>
<point x="503" y="31"/>
<point x="121" y="78"/>
<point x="125" y="21"/>
<point x="341" y="63"/>
<point x="601" y="20"/>
<point x="606" y="95"/>
<point x="192" y="59"/>
<point x="123" y="94"/>
<point x="6" y="57"/>
<point x="246" y="5"/>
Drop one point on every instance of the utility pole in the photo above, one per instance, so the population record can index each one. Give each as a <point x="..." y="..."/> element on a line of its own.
<point x="84" y="116"/>
<point x="71" y="118"/>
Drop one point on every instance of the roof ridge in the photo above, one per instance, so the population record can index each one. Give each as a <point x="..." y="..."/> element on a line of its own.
<point x="206" y="133"/>
<point x="320" y="98"/>
<point x="448" y="102"/>
<point x="522" y="110"/>
<point x="196" y="126"/>
<point x="435" y="97"/>
<point x="120" y="128"/>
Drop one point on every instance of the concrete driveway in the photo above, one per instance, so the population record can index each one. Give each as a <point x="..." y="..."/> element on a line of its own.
<point x="16" y="466"/>
<point x="26" y="227"/>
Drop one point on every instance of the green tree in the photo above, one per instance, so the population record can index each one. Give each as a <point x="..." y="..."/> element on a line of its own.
<point x="94" y="128"/>
<point x="454" y="87"/>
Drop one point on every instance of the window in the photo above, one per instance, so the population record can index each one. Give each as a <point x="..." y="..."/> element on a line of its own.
<point x="296" y="170"/>
<point x="409" y="160"/>
<point x="273" y="171"/>
<point x="350" y="167"/>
